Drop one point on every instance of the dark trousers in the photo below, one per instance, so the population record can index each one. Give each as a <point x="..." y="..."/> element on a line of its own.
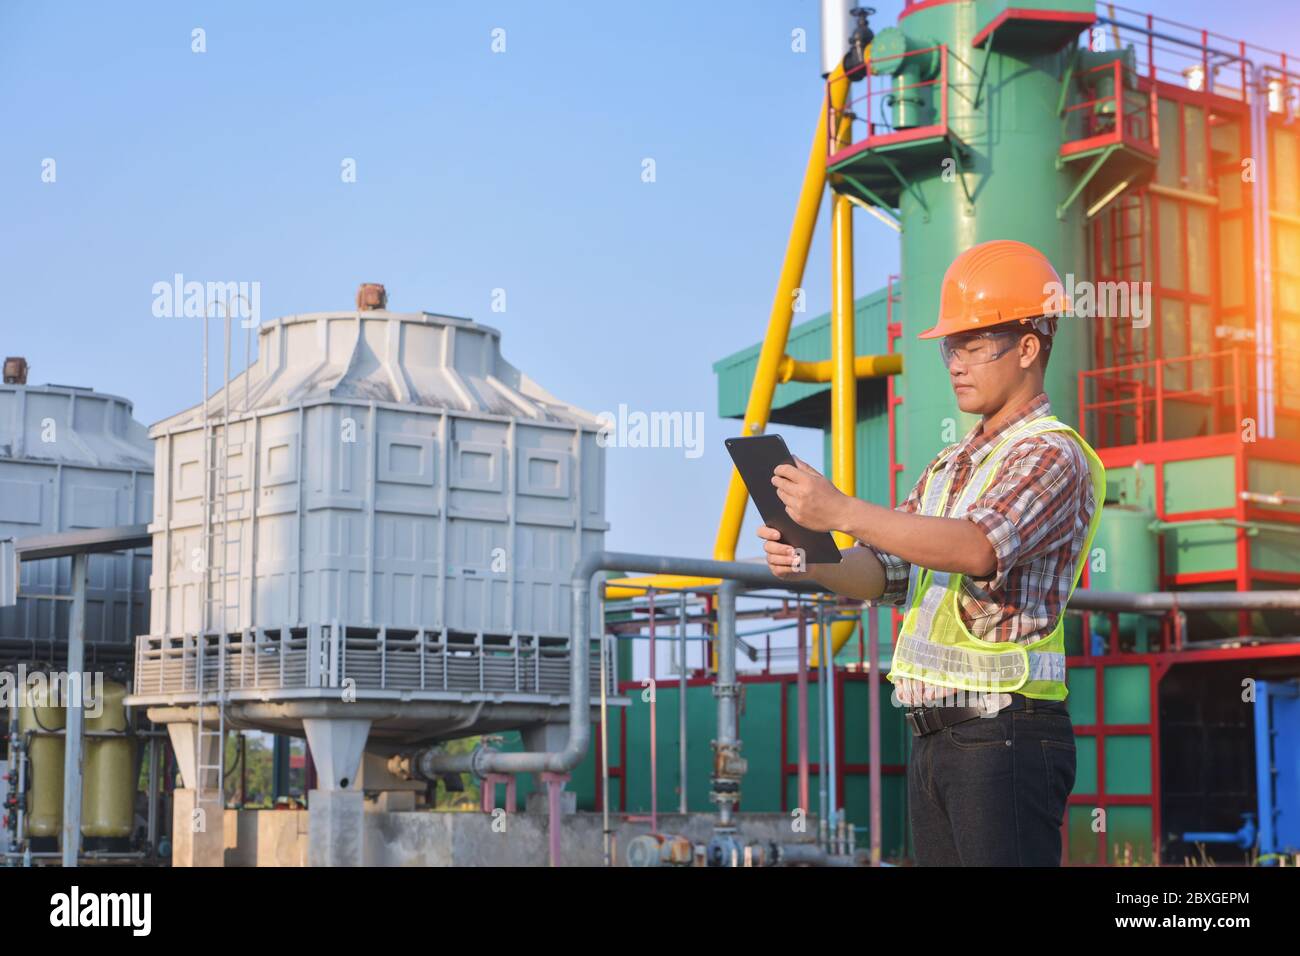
<point x="991" y="791"/>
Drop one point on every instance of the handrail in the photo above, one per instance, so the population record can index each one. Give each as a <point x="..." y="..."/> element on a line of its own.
<point x="1135" y="112"/>
<point x="863" y="72"/>
<point x="1111" y="377"/>
<point x="1233" y="385"/>
<point x="1179" y="53"/>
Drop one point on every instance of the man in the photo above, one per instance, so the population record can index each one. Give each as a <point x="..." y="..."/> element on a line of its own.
<point x="985" y="552"/>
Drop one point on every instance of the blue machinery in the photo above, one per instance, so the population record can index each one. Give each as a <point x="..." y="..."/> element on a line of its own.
<point x="1277" y="776"/>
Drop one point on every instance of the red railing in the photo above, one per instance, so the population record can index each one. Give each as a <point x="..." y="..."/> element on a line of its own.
<point x="1129" y="404"/>
<point x="1171" y="51"/>
<point x="1140" y="392"/>
<point x="860" y="112"/>
<point x="1197" y="59"/>
<point x="1127" y="112"/>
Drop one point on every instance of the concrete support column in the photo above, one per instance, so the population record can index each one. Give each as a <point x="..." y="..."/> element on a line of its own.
<point x="198" y="829"/>
<point x="335" y="822"/>
<point x="198" y="832"/>
<point x="336" y="810"/>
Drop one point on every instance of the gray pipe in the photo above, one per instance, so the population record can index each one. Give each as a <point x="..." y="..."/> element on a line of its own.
<point x="1156" y="601"/>
<point x="808" y="854"/>
<point x="485" y="760"/>
<point x="823" y="807"/>
<point x="247" y="715"/>
<point x="728" y="768"/>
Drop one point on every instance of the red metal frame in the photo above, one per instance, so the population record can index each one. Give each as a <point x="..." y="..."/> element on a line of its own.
<point x="1121" y="385"/>
<point x="1133" y="375"/>
<point x="1158" y="454"/>
<point x="873" y="140"/>
<point x="789" y="767"/>
<point x="894" y="331"/>
<point x="1136" y="127"/>
<point x="1182" y="46"/>
<point x="1158" y="665"/>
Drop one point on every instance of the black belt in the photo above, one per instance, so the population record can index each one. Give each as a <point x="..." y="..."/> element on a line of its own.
<point x="927" y="720"/>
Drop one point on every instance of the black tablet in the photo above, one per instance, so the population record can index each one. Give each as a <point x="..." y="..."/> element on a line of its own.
<point x="756" y="458"/>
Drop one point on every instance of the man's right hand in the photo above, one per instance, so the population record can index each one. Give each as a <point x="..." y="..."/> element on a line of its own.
<point x="859" y="575"/>
<point x="780" y="557"/>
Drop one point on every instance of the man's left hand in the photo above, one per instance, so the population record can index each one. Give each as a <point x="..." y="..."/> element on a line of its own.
<point x="809" y="497"/>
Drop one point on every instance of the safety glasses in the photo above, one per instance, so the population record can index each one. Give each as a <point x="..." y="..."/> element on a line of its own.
<point x="978" y="349"/>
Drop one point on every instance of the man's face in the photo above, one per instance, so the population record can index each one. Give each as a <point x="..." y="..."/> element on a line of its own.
<point x="985" y="368"/>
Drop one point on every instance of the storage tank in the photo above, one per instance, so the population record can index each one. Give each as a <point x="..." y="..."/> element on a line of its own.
<point x="39" y="721"/>
<point x="1128" y="561"/>
<point x="392" y="509"/>
<point x="964" y="100"/>
<point x="108" y="770"/>
<point x="73" y="458"/>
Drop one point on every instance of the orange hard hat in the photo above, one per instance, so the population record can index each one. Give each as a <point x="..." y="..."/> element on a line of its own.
<point x="994" y="283"/>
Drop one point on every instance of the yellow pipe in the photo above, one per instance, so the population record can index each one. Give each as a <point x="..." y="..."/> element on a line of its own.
<point x="864" y="366"/>
<point x="844" y="384"/>
<point x="772" y="354"/>
<point x="616" y="589"/>
<point x="759" y="406"/>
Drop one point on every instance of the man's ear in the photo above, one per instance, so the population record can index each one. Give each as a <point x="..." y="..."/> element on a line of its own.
<point x="1029" y="349"/>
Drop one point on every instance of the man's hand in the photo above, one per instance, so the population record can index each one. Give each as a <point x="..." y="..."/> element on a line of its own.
<point x="780" y="557"/>
<point x="859" y="575"/>
<point x="809" y="498"/>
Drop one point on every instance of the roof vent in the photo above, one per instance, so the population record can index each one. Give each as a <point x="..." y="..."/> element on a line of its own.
<point x="371" y="296"/>
<point x="15" y="370"/>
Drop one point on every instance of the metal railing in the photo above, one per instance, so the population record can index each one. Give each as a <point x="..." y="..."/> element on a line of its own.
<point x="1141" y="393"/>
<point x="1170" y="51"/>
<point x="882" y="94"/>
<point x="1128" y="113"/>
<point x="1130" y="404"/>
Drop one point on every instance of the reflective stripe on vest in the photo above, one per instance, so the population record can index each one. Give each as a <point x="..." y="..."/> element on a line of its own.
<point x="934" y="644"/>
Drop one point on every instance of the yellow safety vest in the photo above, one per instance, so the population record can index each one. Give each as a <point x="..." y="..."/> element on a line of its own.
<point x="934" y="644"/>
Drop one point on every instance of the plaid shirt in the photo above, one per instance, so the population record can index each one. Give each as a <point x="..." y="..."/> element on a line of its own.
<point x="1035" y="514"/>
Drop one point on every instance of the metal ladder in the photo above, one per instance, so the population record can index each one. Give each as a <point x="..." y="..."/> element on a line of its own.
<point x="1128" y="232"/>
<point x="223" y="566"/>
<point x="1123" y="231"/>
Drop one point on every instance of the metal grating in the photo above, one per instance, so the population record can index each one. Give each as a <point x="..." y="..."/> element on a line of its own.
<point x="325" y="656"/>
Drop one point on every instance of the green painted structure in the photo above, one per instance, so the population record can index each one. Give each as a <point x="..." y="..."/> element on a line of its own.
<point x="988" y="120"/>
<point x="992" y="121"/>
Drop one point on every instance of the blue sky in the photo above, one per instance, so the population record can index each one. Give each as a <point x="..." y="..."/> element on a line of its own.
<point x="475" y="171"/>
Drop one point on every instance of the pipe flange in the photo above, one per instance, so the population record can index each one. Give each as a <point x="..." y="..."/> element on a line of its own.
<point x="478" y="761"/>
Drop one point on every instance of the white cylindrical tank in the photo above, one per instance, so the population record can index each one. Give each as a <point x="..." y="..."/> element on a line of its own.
<point x="74" y="458"/>
<point x="836" y="28"/>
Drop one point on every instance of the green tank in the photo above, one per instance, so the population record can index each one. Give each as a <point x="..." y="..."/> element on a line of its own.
<point x="990" y="172"/>
<point x="1125" y="557"/>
